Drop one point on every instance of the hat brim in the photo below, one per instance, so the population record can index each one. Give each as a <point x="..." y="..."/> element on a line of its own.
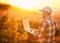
<point x="42" y="10"/>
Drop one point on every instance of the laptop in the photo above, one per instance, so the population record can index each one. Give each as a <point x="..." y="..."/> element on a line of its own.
<point x="26" y="26"/>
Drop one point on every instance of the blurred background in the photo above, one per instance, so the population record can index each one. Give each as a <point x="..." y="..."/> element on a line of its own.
<point x="13" y="11"/>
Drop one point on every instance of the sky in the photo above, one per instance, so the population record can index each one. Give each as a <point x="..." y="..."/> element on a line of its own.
<point x="33" y="5"/>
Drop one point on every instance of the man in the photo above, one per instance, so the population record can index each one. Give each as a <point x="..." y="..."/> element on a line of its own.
<point x="46" y="33"/>
<point x="47" y="27"/>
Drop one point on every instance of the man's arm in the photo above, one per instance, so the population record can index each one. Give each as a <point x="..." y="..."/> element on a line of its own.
<point x="54" y="31"/>
<point x="39" y="31"/>
<point x="43" y="26"/>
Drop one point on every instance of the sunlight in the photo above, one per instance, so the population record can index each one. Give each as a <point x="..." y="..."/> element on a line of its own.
<point x="25" y="4"/>
<point x="32" y="4"/>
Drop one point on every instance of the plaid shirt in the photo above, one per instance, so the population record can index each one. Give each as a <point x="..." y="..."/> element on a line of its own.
<point x="46" y="33"/>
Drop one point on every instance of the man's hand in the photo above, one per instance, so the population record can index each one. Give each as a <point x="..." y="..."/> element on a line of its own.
<point x="30" y="30"/>
<point x="34" y="32"/>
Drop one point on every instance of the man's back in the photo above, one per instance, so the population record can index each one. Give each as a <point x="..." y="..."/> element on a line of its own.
<point x="47" y="30"/>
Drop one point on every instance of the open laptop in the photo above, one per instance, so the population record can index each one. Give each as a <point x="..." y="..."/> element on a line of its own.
<point x="26" y="26"/>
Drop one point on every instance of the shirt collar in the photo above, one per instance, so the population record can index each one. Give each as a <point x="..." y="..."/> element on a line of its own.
<point x="48" y="17"/>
